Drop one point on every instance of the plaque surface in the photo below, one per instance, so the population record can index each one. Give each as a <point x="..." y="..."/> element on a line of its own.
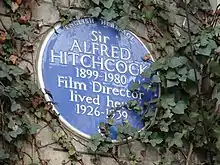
<point x="89" y="66"/>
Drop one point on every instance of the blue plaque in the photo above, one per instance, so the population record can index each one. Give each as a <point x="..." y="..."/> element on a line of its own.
<point x="88" y="66"/>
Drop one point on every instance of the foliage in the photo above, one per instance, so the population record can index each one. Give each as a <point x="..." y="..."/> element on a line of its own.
<point x="187" y="118"/>
<point x="23" y="109"/>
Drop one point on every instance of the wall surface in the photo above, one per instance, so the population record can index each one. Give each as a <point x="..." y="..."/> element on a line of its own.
<point x="45" y="16"/>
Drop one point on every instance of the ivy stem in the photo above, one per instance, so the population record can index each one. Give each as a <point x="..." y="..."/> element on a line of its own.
<point x="31" y="158"/>
<point x="189" y="154"/>
<point x="197" y="82"/>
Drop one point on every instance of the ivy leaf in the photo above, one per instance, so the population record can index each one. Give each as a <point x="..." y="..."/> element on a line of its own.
<point x="146" y="86"/>
<point x="171" y="75"/>
<point x="135" y="86"/>
<point x="7" y="136"/>
<point x="132" y="103"/>
<point x="16" y="132"/>
<point x="182" y="71"/>
<point x="155" y="141"/>
<point x="167" y="101"/>
<point x="96" y="2"/>
<point x="107" y="3"/>
<point x="178" y="61"/>
<point x="16" y="71"/>
<point x="147" y="73"/>
<point x="95" y="11"/>
<point x="123" y="22"/>
<point x="3" y="155"/>
<point x="218" y="143"/>
<point x="172" y="83"/>
<point x="168" y="114"/>
<point x="15" y="107"/>
<point x="34" y="128"/>
<point x="21" y="31"/>
<point x="178" y="139"/>
<point x="11" y="124"/>
<point x="25" y="119"/>
<point x="191" y="75"/>
<point x="3" y="74"/>
<point x="205" y="51"/>
<point x="215" y="68"/>
<point x="156" y="79"/>
<point x="204" y="40"/>
<point x="193" y="114"/>
<point x="179" y="108"/>
<point x="148" y="15"/>
<point x="147" y="2"/>
<point x="156" y="66"/>
<point x="111" y="121"/>
<point x="109" y="14"/>
<point x="164" y="127"/>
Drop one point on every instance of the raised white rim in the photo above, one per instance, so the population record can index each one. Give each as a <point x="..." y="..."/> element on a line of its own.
<point x="41" y="82"/>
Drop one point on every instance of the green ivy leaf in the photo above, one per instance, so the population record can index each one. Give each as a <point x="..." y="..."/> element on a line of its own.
<point x="178" y="139"/>
<point x="3" y="74"/>
<point x="15" y="107"/>
<point x="217" y="96"/>
<point x="164" y="127"/>
<point x="179" y="108"/>
<point x="204" y="40"/>
<point x="157" y="65"/>
<point x="168" y="114"/>
<point x="171" y="75"/>
<point x="155" y="141"/>
<point x="171" y="83"/>
<point x="123" y="22"/>
<point x="156" y="79"/>
<point x="96" y="2"/>
<point x="205" y="51"/>
<point x="107" y="3"/>
<point x="135" y="86"/>
<point x="21" y="31"/>
<point x="215" y="68"/>
<point x="16" y="71"/>
<point x="218" y="143"/>
<point x="191" y="75"/>
<point x="111" y="121"/>
<point x="149" y="14"/>
<point x="3" y="155"/>
<point x="146" y="86"/>
<point x="95" y="11"/>
<point x="34" y="128"/>
<point x="167" y="101"/>
<point x="25" y="119"/>
<point x="11" y="124"/>
<point x="182" y="71"/>
<point x="178" y="61"/>
<point x="7" y="136"/>
<point x="147" y="2"/>
<point x="16" y="132"/>
<point x="109" y="14"/>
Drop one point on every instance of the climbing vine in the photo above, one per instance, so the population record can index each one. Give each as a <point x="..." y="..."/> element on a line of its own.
<point x="186" y="121"/>
<point x="24" y="113"/>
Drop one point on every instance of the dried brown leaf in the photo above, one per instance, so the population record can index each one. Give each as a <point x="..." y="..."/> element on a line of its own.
<point x="14" y="6"/>
<point x="2" y="37"/>
<point x="13" y="59"/>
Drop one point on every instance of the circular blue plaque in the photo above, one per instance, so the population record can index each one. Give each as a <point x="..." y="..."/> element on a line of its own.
<point x="88" y="66"/>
